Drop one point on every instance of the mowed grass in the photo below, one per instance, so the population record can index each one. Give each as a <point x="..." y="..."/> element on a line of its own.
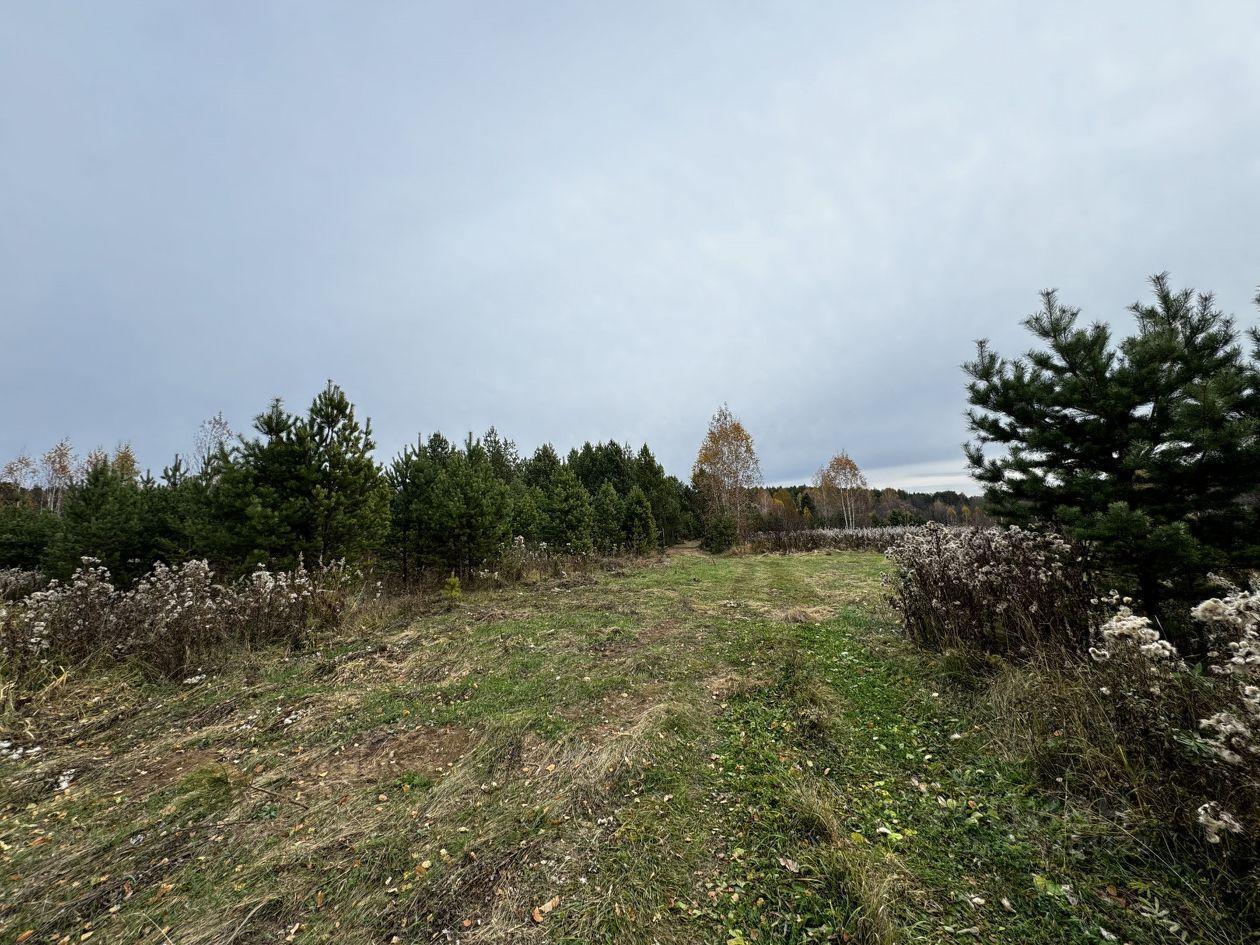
<point x="696" y="750"/>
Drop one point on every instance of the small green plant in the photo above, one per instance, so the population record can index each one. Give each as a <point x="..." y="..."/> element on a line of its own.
<point x="407" y="782"/>
<point x="451" y="591"/>
<point x="206" y="790"/>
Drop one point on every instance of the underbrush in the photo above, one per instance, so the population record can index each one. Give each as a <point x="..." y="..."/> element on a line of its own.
<point x="836" y="539"/>
<point x="16" y="583"/>
<point x="173" y="618"/>
<point x="520" y="562"/>
<point x="1128" y="747"/>
<point x="178" y="620"/>
<point x="1099" y="704"/>
<point x="1006" y="591"/>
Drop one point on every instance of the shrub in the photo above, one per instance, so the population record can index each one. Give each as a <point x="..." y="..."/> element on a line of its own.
<point x="172" y="617"/>
<point x="1005" y="591"/>
<point x="1222" y="760"/>
<point x="16" y="583"/>
<point x="522" y="561"/>
<point x="1177" y="743"/>
<point x="720" y="533"/>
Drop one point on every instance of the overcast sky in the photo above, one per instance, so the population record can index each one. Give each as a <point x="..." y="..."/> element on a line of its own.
<point x="598" y="220"/>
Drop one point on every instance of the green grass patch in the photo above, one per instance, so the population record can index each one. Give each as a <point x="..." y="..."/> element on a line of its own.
<point x="705" y="750"/>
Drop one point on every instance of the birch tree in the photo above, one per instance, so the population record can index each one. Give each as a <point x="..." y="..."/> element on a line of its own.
<point x="59" y="468"/>
<point x="726" y="468"/>
<point x="843" y="480"/>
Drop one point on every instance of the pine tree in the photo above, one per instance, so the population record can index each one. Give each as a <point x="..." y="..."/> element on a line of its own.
<point x="469" y="513"/>
<point x="501" y="452"/>
<point x="306" y="486"/>
<point x="526" y="514"/>
<point x="26" y="532"/>
<point x="666" y="495"/>
<point x="1150" y="449"/>
<point x="349" y="503"/>
<point x="102" y="518"/>
<point x="541" y="469"/>
<point x="439" y="449"/>
<point x="177" y="512"/>
<point x="639" y="524"/>
<point x="260" y="494"/>
<point x="604" y="462"/>
<point x="606" y="515"/>
<point x="567" y="510"/>
<point x="409" y="478"/>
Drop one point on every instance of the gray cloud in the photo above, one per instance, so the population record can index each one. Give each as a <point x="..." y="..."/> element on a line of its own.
<point x="598" y="222"/>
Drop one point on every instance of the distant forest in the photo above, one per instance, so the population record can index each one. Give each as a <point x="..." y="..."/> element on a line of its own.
<point x="800" y="507"/>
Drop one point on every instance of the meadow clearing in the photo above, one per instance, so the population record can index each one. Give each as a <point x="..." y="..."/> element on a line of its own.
<point x="688" y="749"/>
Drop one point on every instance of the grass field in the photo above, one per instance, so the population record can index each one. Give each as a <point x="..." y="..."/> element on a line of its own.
<point x="703" y="749"/>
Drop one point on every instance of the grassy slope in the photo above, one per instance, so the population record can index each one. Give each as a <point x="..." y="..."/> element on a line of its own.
<point x="705" y="750"/>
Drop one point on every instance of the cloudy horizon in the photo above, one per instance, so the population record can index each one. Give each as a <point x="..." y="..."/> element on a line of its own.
<point x="599" y="222"/>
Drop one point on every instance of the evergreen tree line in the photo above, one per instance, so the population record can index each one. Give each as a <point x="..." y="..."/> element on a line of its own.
<point x="308" y="486"/>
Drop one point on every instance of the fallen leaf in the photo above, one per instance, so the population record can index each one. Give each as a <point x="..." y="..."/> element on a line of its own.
<point x="789" y="864"/>
<point x="540" y="911"/>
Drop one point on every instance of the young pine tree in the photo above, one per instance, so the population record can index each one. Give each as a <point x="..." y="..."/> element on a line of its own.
<point x="606" y="517"/>
<point x="640" y="525"/>
<point x="542" y="469"/>
<point x="501" y="452"/>
<point x="260" y="494"/>
<point x="409" y="479"/>
<point x="304" y="486"/>
<point x="349" y="502"/>
<point x="568" y="514"/>
<point x="470" y="512"/>
<point x="102" y="517"/>
<point x="1150" y="449"/>
<point x="526" y="515"/>
<point x="665" y="493"/>
<point x="26" y="532"/>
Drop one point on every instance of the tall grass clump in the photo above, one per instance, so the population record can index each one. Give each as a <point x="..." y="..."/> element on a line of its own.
<point x="1005" y="591"/>
<point x="171" y="619"/>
